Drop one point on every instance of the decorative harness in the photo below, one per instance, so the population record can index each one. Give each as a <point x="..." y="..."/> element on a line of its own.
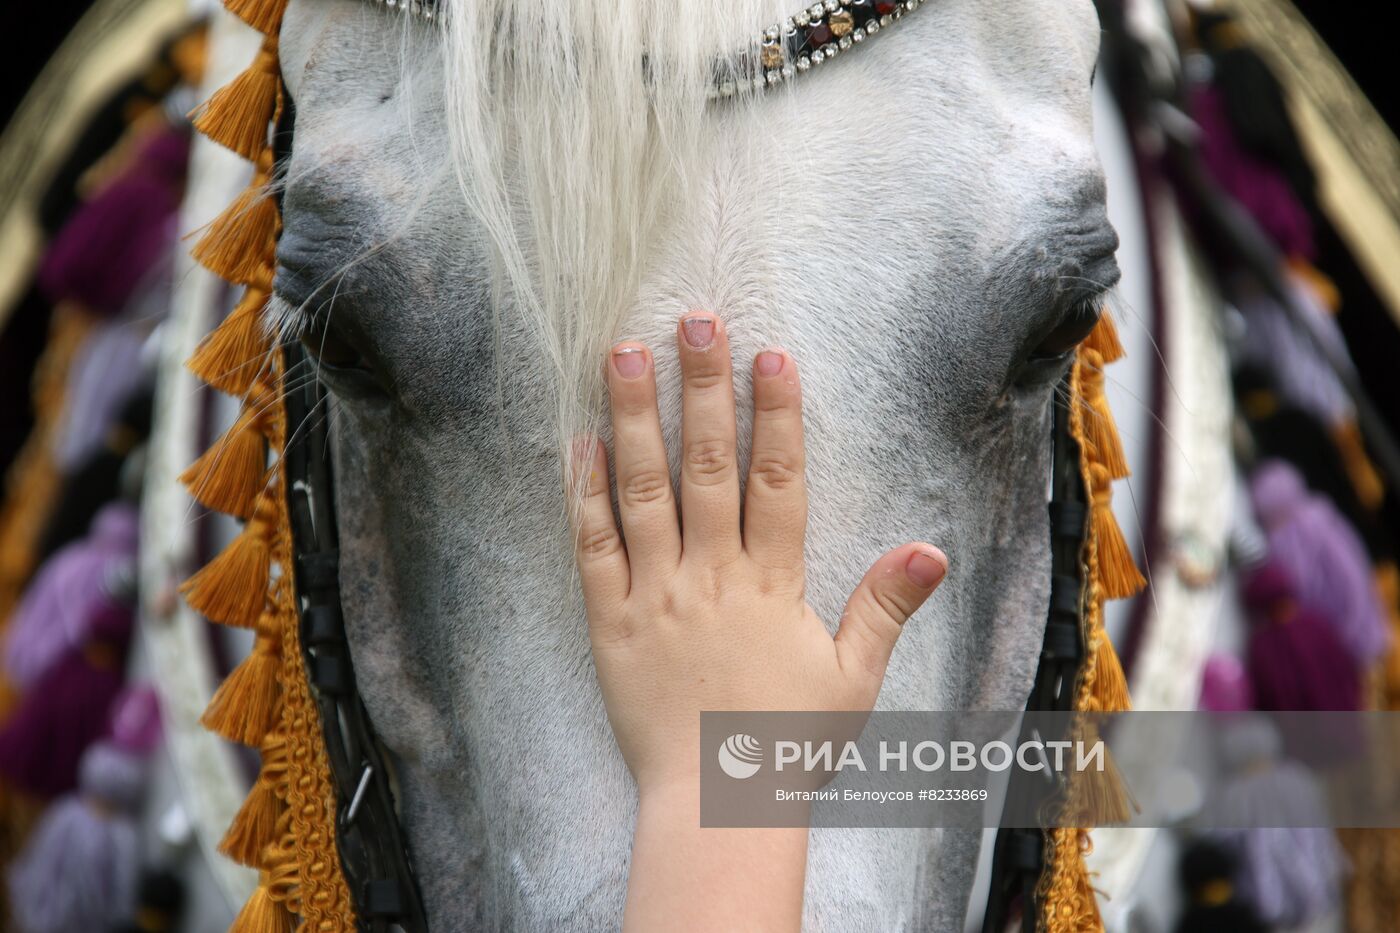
<point x="320" y="823"/>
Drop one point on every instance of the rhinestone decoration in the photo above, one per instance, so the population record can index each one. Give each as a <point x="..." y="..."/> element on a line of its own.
<point x="820" y="32"/>
<point x="785" y="50"/>
<point x="426" y="10"/>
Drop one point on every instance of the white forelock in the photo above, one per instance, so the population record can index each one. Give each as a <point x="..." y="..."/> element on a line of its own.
<point x="571" y="127"/>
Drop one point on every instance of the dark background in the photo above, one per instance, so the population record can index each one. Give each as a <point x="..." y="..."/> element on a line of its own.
<point x="29" y="32"/>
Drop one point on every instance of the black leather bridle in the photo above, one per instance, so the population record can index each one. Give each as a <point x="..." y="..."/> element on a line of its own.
<point x="373" y="851"/>
<point x="1018" y="858"/>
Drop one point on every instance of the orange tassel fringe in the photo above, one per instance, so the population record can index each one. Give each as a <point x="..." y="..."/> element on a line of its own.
<point x="1103" y="339"/>
<point x="255" y="826"/>
<point x="286" y="827"/>
<point x="263" y="15"/>
<point x="232" y="588"/>
<point x="245" y="707"/>
<point x="233" y="249"/>
<point x="231" y="474"/>
<point x="1065" y="892"/>
<point x="1110" y="688"/>
<point x="1100" y="430"/>
<point x="1073" y="907"/>
<point x="238" y="114"/>
<point x="231" y="357"/>
<point x="263" y="914"/>
<point x="1118" y="571"/>
<point x="1365" y="479"/>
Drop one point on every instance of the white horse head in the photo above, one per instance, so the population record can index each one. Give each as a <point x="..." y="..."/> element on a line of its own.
<point x="474" y="211"/>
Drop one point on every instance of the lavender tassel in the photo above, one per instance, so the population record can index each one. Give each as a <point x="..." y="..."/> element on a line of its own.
<point x="1324" y="556"/>
<point x="1275" y="343"/>
<point x="59" y="606"/>
<point x="1291" y="875"/>
<point x="79" y="871"/>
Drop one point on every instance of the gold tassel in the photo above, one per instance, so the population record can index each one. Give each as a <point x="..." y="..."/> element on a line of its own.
<point x="263" y="15"/>
<point x="230" y="358"/>
<point x="244" y="708"/>
<point x="1070" y="905"/>
<point x="263" y="914"/>
<point x="302" y="882"/>
<point x="1103" y="339"/>
<point x="1100" y="430"/>
<point x="1365" y="480"/>
<point x="1110" y="685"/>
<point x="255" y="826"/>
<point x="1067" y="902"/>
<point x="235" y="247"/>
<point x="231" y="474"/>
<point x="1118" y="572"/>
<point x="232" y="588"/>
<point x="238" y="114"/>
<point x="1318" y="282"/>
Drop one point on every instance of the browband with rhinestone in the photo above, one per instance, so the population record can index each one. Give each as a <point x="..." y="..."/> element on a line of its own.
<point x="808" y="38"/>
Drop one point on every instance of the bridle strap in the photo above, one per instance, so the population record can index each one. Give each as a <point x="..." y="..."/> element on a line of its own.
<point x="370" y="841"/>
<point x="1018" y="858"/>
<point x="373" y="851"/>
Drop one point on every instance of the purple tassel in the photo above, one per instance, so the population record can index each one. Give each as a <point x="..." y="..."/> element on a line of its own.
<point x="1289" y="351"/>
<point x="1296" y="661"/>
<point x="1291" y="875"/>
<point x="79" y="871"/>
<point x="1324" y="557"/>
<point x="113" y="241"/>
<point x="136" y="725"/>
<point x="103" y="377"/>
<point x="1225" y="686"/>
<point x="1258" y="186"/>
<point x="61" y="603"/>
<point x="66" y="709"/>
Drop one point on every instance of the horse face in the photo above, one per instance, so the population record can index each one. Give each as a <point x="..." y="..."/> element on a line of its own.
<point x="920" y="221"/>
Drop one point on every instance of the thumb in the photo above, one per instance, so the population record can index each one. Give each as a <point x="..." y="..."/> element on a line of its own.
<point x="892" y="590"/>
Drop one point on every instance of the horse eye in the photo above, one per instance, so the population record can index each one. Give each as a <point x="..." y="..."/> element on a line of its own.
<point x="1070" y="331"/>
<point x="329" y="347"/>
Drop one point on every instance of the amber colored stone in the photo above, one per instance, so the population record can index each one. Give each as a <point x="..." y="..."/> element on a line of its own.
<point x="772" y="56"/>
<point x="841" y="23"/>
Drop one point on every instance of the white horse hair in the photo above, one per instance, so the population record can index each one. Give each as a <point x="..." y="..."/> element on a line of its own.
<point x="573" y="157"/>
<point x="473" y="215"/>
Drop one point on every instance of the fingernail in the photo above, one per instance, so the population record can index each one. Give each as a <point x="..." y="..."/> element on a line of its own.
<point x="631" y="362"/>
<point x="769" y="363"/>
<point x="699" y="330"/>
<point x="924" y="569"/>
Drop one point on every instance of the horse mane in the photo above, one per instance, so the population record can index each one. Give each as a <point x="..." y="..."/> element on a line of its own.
<point x="572" y="125"/>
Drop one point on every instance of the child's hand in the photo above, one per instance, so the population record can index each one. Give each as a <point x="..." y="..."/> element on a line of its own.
<point x="688" y="609"/>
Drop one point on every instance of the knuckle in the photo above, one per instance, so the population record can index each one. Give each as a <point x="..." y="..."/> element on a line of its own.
<point x="775" y="473"/>
<point x="707" y="377"/>
<point x="634" y="401"/>
<point x="709" y="461"/>
<point x="597" y="543"/>
<point x="896" y="605"/>
<point x="782" y="579"/>
<point x="776" y="401"/>
<point x="646" y="488"/>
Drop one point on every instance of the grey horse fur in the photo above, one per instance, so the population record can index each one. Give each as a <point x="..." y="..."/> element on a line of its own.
<point x="941" y="208"/>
